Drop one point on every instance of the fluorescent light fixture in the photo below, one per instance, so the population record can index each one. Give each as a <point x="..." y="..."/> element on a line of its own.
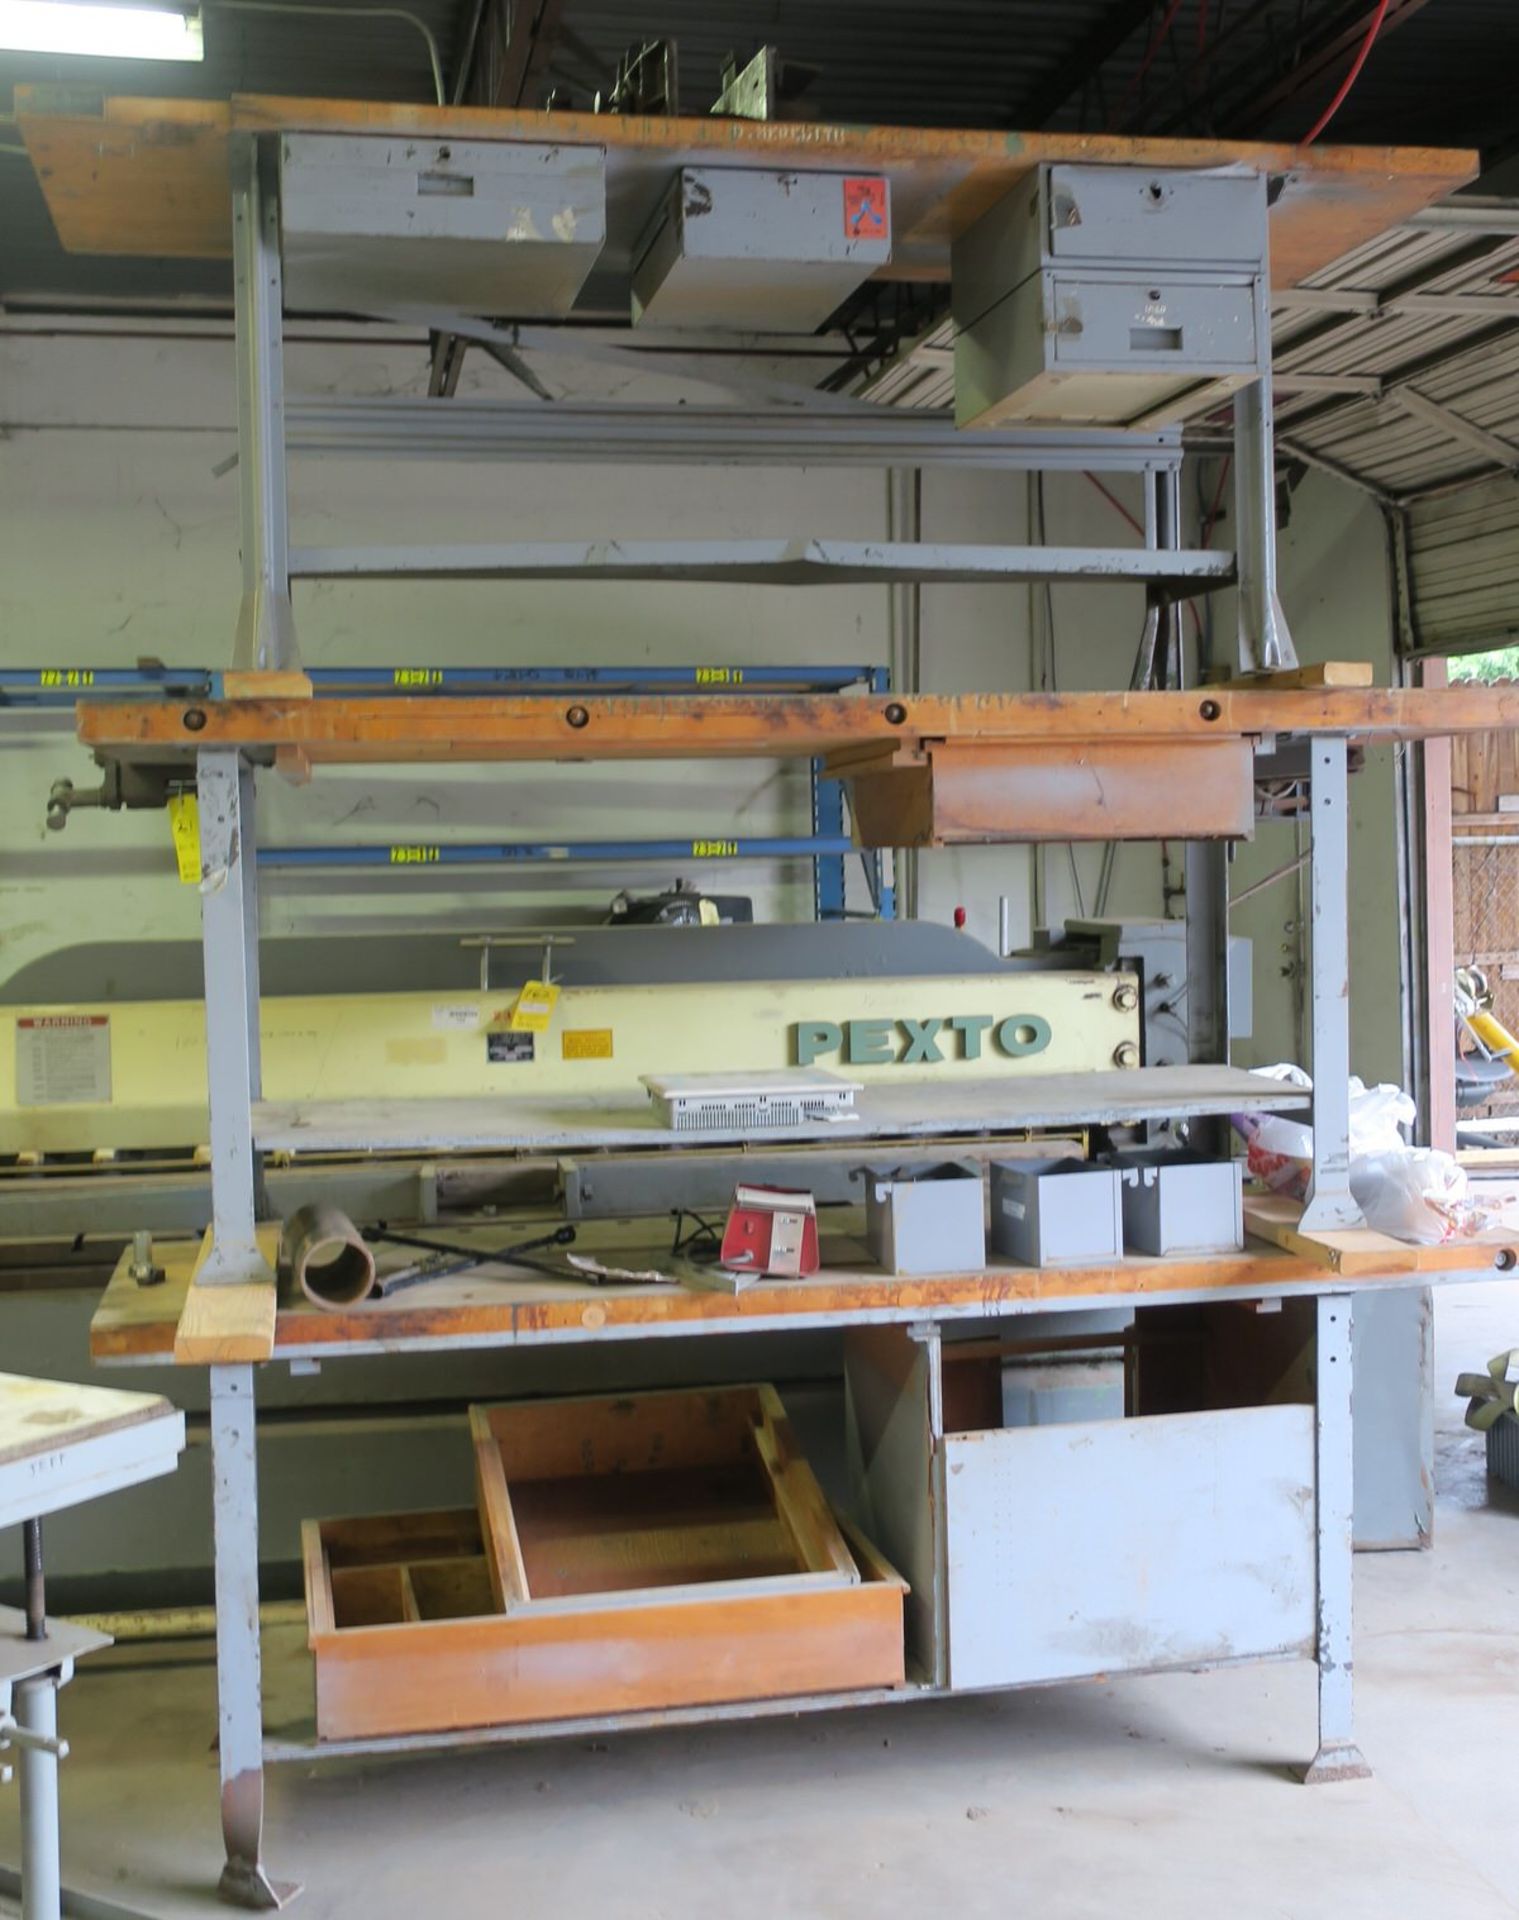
<point x="103" y="32"/>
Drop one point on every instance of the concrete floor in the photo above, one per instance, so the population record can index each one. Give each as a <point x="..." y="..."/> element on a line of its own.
<point x="1164" y="1797"/>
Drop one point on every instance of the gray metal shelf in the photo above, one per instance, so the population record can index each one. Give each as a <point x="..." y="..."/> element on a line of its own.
<point x="794" y="563"/>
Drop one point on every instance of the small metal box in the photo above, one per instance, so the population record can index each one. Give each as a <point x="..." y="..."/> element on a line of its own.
<point x="1181" y="1203"/>
<point x="370" y="225"/>
<point x="1110" y="295"/>
<point x="1056" y="1213"/>
<point x="752" y="250"/>
<point x="928" y="1222"/>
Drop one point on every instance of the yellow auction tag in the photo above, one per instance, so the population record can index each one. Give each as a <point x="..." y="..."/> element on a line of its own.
<point x="535" y="1007"/>
<point x="184" y="825"/>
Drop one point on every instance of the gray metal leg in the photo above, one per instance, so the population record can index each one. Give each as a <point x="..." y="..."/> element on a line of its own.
<point x="1330" y="1202"/>
<point x="265" y="623"/>
<point x="1265" y="643"/>
<point x="1338" y="1757"/>
<point x="229" y="933"/>
<point x="36" y="1709"/>
<point x="239" y="1685"/>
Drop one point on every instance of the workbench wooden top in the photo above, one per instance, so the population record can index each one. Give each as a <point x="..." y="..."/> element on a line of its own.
<point x="150" y="177"/>
<point x="497" y="1306"/>
<point x="844" y="727"/>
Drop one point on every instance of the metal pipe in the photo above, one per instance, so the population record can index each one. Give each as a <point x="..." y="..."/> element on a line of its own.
<point x="36" y="1709"/>
<point x="36" y="1606"/>
<point x="332" y="1264"/>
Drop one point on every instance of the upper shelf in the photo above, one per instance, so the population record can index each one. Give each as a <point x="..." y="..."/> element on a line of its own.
<point x="776" y="563"/>
<point x="150" y="177"/>
<point x="939" y="1107"/>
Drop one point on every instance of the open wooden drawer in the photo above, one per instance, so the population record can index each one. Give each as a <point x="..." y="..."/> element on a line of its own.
<point x="651" y="1551"/>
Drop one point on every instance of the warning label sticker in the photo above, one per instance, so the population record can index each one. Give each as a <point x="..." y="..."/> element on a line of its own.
<point x="865" y="216"/>
<point x="586" y="1043"/>
<point x="63" y="1059"/>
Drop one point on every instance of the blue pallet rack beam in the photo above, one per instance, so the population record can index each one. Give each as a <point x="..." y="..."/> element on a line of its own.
<point x="413" y="855"/>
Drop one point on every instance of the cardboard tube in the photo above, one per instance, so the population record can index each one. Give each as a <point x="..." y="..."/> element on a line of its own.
<point x="332" y="1264"/>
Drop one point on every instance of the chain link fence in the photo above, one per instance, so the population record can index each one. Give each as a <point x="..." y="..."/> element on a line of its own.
<point x="1486" y="899"/>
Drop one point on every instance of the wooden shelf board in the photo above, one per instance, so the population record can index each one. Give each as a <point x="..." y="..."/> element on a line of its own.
<point x="1359" y="1250"/>
<point x="631" y="727"/>
<point x="143" y="176"/>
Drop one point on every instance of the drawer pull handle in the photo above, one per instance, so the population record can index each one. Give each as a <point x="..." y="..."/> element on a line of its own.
<point x="452" y="186"/>
<point x="1154" y="339"/>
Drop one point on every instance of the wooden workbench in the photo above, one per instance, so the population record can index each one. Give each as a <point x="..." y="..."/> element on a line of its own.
<point x="134" y="176"/>
<point x="492" y="1307"/>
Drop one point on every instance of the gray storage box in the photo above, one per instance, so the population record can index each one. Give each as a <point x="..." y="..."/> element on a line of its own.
<point x="489" y="226"/>
<point x="1109" y="295"/>
<point x="754" y="250"/>
<point x="928" y="1222"/>
<point x="1056" y="1213"/>
<point x="1181" y="1203"/>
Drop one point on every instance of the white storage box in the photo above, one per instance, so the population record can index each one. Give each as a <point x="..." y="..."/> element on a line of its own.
<point x="1056" y="1213"/>
<point x="1177" y="1203"/>
<point x="927" y="1222"/>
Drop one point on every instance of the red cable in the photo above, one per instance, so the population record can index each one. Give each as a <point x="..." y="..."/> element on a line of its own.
<point x="1157" y="41"/>
<point x="1350" y="79"/>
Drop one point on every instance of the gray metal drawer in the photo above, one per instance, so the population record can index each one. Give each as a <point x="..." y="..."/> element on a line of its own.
<point x="1152" y="323"/>
<point x="1195" y="1544"/>
<point x="1117" y="214"/>
<point x="488" y="226"/>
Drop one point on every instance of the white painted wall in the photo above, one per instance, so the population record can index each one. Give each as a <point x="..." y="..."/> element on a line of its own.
<point x="1332" y="557"/>
<point x="118" y="540"/>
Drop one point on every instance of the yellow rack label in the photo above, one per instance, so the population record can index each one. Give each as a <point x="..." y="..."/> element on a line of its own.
<point x="67" y="677"/>
<point x="535" y="1007"/>
<point x="414" y="856"/>
<point x="586" y="1043"/>
<point x="714" y="849"/>
<point x="719" y="676"/>
<point x="184" y="830"/>
<point x="417" y="677"/>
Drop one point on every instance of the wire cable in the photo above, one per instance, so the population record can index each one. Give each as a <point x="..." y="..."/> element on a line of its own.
<point x="434" y="58"/>
<point x="1350" y="79"/>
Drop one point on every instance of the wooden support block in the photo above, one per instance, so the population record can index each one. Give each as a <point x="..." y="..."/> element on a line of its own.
<point x="1326" y="673"/>
<point x="224" y="1325"/>
<point x="1347" y="1250"/>
<point x="277" y="683"/>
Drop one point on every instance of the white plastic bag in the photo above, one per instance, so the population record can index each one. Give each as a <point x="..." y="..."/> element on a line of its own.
<point x="1414" y="1193"/>
<point x="1411" y="1193"/>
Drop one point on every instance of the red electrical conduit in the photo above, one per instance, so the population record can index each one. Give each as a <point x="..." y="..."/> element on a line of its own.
<point x="1350" y="79"/>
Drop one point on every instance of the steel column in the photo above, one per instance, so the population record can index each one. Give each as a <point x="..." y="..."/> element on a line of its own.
<point x="265" y="624"/>
<point x="1338" y="1757"/>
<point x="229" y="938"/>
<point x="1265" y="644"/>
<point x="239" y="1682"/>
<point x="1330" y="1201"/>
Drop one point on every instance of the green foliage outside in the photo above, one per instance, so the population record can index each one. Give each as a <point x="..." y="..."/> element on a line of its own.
<point x="1501" y="664"/>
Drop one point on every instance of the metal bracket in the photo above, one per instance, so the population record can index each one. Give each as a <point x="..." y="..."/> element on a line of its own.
<point x="1330" y="1201"/>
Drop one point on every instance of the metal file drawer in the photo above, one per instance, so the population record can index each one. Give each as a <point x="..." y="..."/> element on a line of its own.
<point x="493" y="227"/>
<point x="1139" y="215"/>
<point x="746" y="248"/>
<point x="1152" y="323"/>
<point x="1194" y="1544"/>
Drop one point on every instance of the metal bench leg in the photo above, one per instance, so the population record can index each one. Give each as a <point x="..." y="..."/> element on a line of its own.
<point x="1338" y="1757"/>
<point x="239" y="1686"/>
